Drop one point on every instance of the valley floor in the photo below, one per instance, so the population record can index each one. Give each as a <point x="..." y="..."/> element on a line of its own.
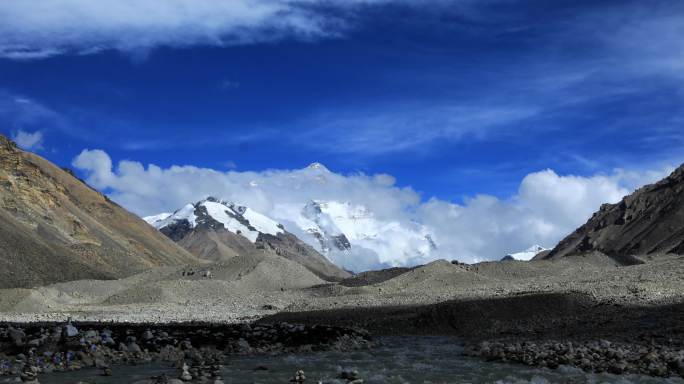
<point x="506" y="311"/>
<point x="249" y="288"/>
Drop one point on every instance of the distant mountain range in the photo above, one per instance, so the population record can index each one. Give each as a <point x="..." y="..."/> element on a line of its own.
<point x="340" y="231"/>
<point x="54" y="227"/>
<point x="216" y="230"/>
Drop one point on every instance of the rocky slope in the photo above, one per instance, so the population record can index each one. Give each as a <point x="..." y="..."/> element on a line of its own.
<point x="216" y="230"/>
<point x="650" y="221"/>
<point x="53" y="228"/>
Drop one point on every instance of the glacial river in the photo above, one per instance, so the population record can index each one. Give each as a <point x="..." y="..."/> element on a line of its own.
<point x="398" y="360"/>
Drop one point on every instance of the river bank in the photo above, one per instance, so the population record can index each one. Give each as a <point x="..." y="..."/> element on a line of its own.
<point x="28" y="350"/>
<point x="396" y="360"/>
<point x="541" y="330"/>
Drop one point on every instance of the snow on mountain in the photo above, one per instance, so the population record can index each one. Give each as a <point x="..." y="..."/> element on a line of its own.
<point x="527" y="254"/>
<point x="164" y="219"/>
<point x="351" y="235"/>
<point x="235" y="218"/>
<point x="157" y="218"/>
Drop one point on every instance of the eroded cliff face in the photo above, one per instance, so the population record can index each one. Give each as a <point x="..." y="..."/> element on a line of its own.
<point x="650" y="221"/>
<point x="53" y="227"/>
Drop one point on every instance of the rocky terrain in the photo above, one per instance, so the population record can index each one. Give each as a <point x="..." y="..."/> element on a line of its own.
<point x="650" y="221"/>
<point x="197" y="351"/>
<point x="53" y="228"/>
<point x="595" y="356"/>
<point x="612" y="314"/>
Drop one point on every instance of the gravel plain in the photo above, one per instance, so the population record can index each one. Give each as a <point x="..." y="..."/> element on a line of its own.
<point x="248" y="288"/>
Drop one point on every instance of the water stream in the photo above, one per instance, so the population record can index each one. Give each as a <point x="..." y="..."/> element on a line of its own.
<point x="398" y="360"/>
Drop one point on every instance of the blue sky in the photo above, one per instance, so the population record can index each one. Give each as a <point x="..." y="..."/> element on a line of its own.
<point x="454" y="99"/>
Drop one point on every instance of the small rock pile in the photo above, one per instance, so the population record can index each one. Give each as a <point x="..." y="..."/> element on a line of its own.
<point x="298" y="378"/>
<point x="185" y="373"/>
<point x="203" y="369"/>
<point x="591" y="356"/>
<point x="29" y="373"/>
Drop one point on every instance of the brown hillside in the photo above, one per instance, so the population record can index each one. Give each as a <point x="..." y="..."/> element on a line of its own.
<point x="53" y="227"/>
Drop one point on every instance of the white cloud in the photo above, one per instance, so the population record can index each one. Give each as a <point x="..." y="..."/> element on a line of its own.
<point x="29" y="140"/>
<point x="38" y="29"/>
<point x="99" y="165"/>
<point x="546" y="207"/>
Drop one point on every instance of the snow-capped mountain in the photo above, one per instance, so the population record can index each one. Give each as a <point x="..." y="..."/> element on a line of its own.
<point x="237" y="219"/>
<point x="216" y="230"/>
<point x="351" y="234"/>
<point x="527" y="254"/>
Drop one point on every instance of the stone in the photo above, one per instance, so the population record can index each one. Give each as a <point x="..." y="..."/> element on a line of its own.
<point x="679" y="367"/>
<point x="618" y="367"/>
<point x="17" y="336"/>
<point x="70" y="330"/>
<point x="147" y="335"/>
<point x="349" y="375"/>
<point x="650" y="357"/>
<point x="108" y="340"/>
<point x="243" y="346"/>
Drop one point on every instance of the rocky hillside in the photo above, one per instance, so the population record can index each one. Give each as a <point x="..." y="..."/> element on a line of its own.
<point x="649" y="221"/>
<point x="215" y="230"/>
<point x="54" y="228"/>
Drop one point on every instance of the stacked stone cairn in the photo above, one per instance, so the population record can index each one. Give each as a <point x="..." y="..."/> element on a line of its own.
<point x="298" y="378"/>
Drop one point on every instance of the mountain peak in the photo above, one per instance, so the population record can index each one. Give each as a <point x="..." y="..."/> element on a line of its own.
<point x="527" y="254"/>
<point x="535" y="248"/>
<point x="318" y="166"/>
<point x="214" y="229"/>
<point x="217" y="213"/>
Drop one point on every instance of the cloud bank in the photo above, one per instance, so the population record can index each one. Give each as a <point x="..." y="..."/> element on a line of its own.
<point x="546" y="207"/>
